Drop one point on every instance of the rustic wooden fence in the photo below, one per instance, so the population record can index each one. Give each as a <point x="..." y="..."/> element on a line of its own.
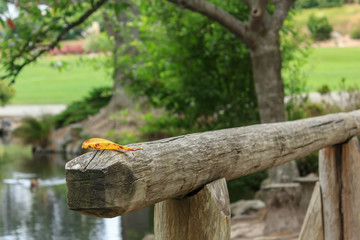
<point x="186" y="177"/>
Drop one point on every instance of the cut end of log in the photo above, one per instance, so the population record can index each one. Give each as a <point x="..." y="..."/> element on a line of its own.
<point x="99" y="192"/>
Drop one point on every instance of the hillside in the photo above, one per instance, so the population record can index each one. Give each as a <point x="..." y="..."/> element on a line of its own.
<point x="342" y="18"/>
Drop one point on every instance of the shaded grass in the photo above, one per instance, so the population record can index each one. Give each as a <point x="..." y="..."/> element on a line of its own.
<point x="330" y="65"/>
<point x="39" y="83"/>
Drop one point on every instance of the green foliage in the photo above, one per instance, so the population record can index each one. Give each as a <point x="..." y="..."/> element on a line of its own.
<point x="294" y="68"/>
<point x="74" y="33"/>
<point x="319" y="27"/>
<point x="294" y="58"/>
<point x="194" y="68"/>
<point x="7" y="92"/>
<point x="324" y="89"/>
<point x="121" y="116"/>
<point x="80" y="110"/>
<point x="318" y="3"/>
<point x="157" y="127"/>
<point x="355" y="32"/>
<point x="36" y="132"/>
<point x="36" y="31"/>
<point x="125" y="137"/>
<point x="201" y="74"/>
<point x="98" y="43"/>
<point x="245" y="187"/>
<point x="303" y="108"/>
<point x="308" y="164"/>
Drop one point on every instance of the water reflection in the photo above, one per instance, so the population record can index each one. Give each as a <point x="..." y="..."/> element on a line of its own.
<point x="40" y="211"/>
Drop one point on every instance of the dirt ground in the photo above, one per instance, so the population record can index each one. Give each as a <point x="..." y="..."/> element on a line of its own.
<point x="253" y="230"/>
<point x="338" y="41"/>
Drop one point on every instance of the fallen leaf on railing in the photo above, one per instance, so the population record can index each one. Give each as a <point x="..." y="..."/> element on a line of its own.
<point x="99" y="143"/>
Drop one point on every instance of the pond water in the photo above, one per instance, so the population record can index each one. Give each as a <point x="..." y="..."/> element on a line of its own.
<point x="33" y="205"/>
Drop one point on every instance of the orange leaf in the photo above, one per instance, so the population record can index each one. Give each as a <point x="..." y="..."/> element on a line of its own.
<point x="99" y="143"/>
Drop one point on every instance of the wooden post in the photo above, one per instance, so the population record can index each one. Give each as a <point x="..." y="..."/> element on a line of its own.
<point x="205" y="215"/>
<point x="312" y="228"/>
<point x="350" y="189"/>
<point x="329" y="165"/>
<point x="339" y="168"/>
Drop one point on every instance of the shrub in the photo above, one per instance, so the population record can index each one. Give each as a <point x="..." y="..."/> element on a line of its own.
<point x="355" y="32"/>
<point x="319" y="27"/>
<point x="80" y="110"/>
<point x="246" y="186"/>
<point x="323" y="89"/>
<point x="125" y="137"/>
<point x="36" y="132"/>
<point x="6" y="92"/>
<point x="308" y="164"/>
<point x="318" y="3"/>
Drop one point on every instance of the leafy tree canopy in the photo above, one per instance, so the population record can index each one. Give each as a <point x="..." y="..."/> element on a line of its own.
<point x="37" y="29"/>
<point x="194" y="67"/>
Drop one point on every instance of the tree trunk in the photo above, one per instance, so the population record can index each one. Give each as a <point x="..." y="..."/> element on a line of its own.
<point x="266" y="66"/>
<point x="120" y="99"/>
<point x="117" y="26"/>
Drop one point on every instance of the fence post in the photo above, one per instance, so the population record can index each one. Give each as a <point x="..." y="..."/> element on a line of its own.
<point x="350" y="194"/>
<point x="312" y="228"/>
<point x="204" y="215"/>
<point x="339" y="168"/>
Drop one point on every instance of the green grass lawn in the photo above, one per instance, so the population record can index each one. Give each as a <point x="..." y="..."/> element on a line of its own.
<point x="330" y="65"/>
<point x="41" y="84"/>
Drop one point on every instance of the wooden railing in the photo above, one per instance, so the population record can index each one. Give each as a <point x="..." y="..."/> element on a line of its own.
<point x="185" y="176"/>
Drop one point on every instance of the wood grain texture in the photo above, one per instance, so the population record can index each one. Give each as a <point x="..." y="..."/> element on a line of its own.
<point x="340" y="177"/>
<point x="350" y="191"/>
<point x="205" y="215"/>
<point x="111" y="183"/>
<point x="312" y="228"/>
<point x="329" y="176"/>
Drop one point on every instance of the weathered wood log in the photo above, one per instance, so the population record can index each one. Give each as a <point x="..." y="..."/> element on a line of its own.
<point x="204" y="215"/>
<point x="110" y="183"/>
<point x="312" y="228"/>
<point x="329" y="176"/>
<point x="339" y="169"/>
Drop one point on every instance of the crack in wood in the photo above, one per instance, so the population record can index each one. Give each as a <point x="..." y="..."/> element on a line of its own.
<point x="322" y="124"/>
<point x="90" y="160"/>
<point x="339" y="156"/>
<point x="167" y="140"/>
<point x="339" y="121"/>
<point x="309" y="143"/>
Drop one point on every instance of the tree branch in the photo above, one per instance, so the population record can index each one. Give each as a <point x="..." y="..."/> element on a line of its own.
<point x="16" y="68"/>
<point x="215" y="13"/>
<point x="257" y="13"/>
<point x="282" y="8"/>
